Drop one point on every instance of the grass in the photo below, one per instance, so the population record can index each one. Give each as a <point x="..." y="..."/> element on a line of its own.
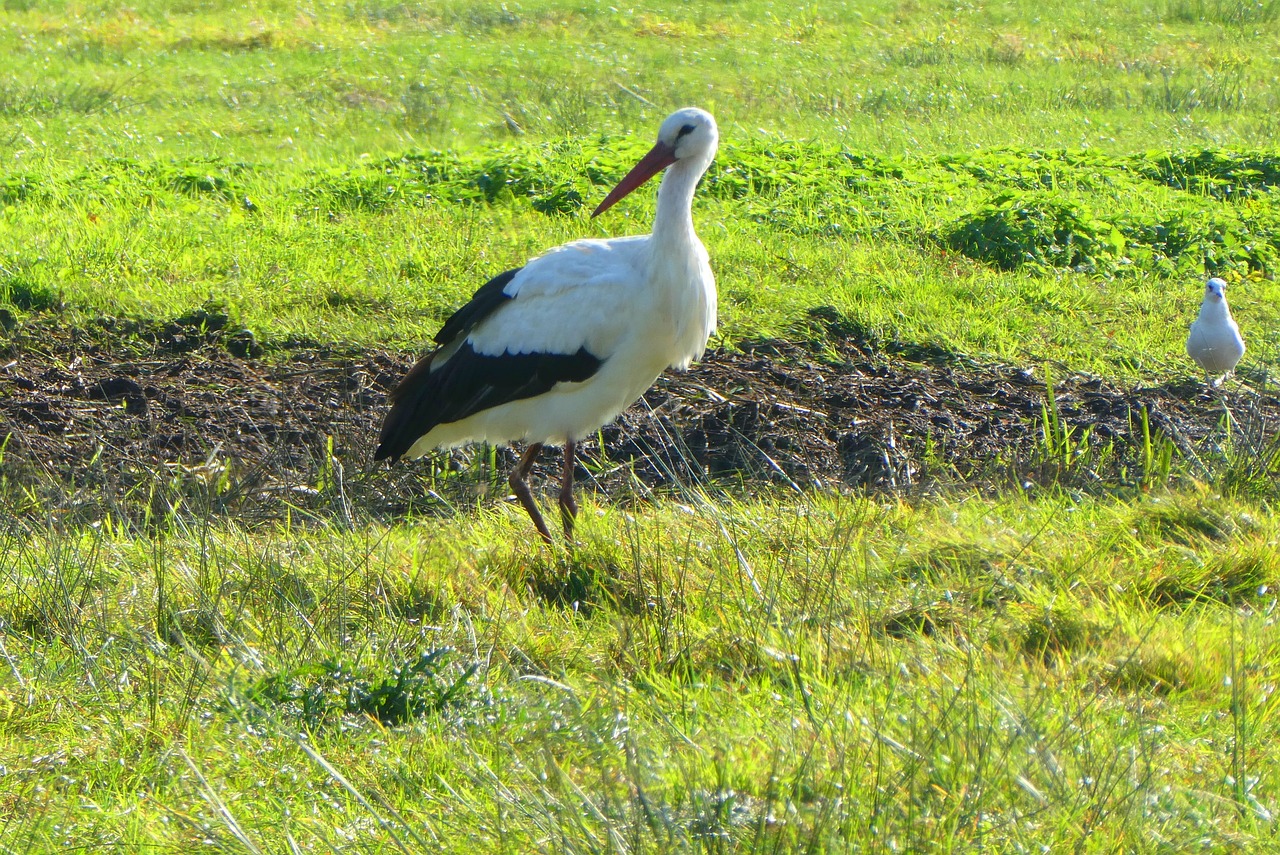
<point x="352" y="171"/>
<point x="961" y="673"/>
<point x="1046" y="668"/>
<point x="970" y="254"/>
<point x="335" y="80"/>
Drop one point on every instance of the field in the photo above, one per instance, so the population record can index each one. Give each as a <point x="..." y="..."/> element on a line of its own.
<point x="945" y="546"/>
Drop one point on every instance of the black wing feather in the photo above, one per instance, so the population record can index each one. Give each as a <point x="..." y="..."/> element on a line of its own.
<point x="469" y="382"/>
<point x="483" y="303"/>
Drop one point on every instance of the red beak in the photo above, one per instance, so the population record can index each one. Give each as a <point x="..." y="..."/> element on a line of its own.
<point x="659" y="158"/>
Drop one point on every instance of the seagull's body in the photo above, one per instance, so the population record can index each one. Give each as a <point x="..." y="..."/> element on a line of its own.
<point x="1214" y="342"/>
<point x="552" y="351"/>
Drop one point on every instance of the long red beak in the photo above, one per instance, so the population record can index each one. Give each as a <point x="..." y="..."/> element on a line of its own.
<point x="659" y="158"/>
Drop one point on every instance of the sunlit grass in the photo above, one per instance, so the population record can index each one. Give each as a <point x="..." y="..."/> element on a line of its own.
<point x="709" y="671"/>
<point x="337" y="79"/>
<point x="378" y="254"/>
<point x="288" y="110"/>
<point x="770" y="673"/>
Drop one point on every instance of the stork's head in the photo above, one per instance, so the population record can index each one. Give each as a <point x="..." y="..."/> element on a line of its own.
<point x="689" y="135"/>
<point x="1215" y="290"/>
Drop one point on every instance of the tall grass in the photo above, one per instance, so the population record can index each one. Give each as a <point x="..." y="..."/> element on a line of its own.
<point x="1081" y="662"/>
<point x="738" y="675"/>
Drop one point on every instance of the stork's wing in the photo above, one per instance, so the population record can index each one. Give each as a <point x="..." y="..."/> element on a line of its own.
<point x="469" y="382"/>
<point x="482" y="304"/>
<point x="506" y="344"/>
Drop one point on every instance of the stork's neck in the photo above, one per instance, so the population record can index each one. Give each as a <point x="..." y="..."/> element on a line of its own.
<point x="673" y="222"/>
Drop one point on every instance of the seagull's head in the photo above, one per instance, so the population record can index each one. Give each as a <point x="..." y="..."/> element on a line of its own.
<point x="687" y="135"/>
<point x="1215" y="290"/>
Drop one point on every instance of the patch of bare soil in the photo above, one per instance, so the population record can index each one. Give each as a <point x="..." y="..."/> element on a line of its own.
<point x="115" y="420"/>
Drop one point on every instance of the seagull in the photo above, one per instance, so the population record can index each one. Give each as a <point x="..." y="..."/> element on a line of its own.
<point x="552" y="351"/>
<point x="1215" y="343"/>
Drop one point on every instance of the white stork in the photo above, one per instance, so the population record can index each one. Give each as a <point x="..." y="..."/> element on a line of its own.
<point x="1214" y="342"/>
<point x="550" y="352"/>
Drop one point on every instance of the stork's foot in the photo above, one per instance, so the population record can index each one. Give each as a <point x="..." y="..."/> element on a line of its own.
<point x="568" y="514"/>
<point x="568" y="507"/>
<point x="520" y="487"/>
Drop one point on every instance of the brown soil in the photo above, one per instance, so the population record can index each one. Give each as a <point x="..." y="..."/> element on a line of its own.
<point x="119" y="418"/>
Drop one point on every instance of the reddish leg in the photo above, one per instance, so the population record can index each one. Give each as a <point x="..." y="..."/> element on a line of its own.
<point x="521" y="489"/>
<point x="568" y="507"/>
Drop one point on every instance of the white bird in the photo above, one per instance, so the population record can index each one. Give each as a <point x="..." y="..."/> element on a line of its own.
<point x="1214" y="342"/>
<point x="552" y="351"/>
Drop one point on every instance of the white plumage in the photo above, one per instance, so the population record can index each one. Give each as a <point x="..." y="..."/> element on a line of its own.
<point x="552" y="351"/>
<point x="1214" y="342"/>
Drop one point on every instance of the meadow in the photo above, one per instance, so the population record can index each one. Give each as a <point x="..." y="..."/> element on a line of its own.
<point x="1070" y="644"/>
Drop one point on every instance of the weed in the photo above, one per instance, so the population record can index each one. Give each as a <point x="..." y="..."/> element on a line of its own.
<point x="29" y="296"/>
<point x="1066" y="454"/>
<point x="1212" y="172"/>
<point x="1012" y="230"/>
<point x="1056" y="633"/>
<point x="319" y="695"/>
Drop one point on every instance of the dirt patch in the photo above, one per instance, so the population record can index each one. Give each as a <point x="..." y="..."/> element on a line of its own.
<point x="110" y="418"/>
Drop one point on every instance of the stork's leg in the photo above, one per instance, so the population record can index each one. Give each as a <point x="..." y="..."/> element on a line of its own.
<point x="521" y="489"/>
<point x="568" y="507"/>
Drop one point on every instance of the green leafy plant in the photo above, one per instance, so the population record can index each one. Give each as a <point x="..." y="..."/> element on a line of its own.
<point x="321" y="694"/>
<point x="1013" y="229"/>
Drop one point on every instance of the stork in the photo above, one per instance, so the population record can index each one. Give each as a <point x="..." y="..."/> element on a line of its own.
<point x="1214" y="342"/>
<point x="552" y="351"/>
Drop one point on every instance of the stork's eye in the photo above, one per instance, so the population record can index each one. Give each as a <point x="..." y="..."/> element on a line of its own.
<point x="687" y="129"/>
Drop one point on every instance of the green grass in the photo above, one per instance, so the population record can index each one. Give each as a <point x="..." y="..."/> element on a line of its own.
<point x="335" y="80"/>
<point x="1092" y="261"/>
<point x="980" y="180"/>
<point x="1031" y="183"/>
<point x="735" y="675"/>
